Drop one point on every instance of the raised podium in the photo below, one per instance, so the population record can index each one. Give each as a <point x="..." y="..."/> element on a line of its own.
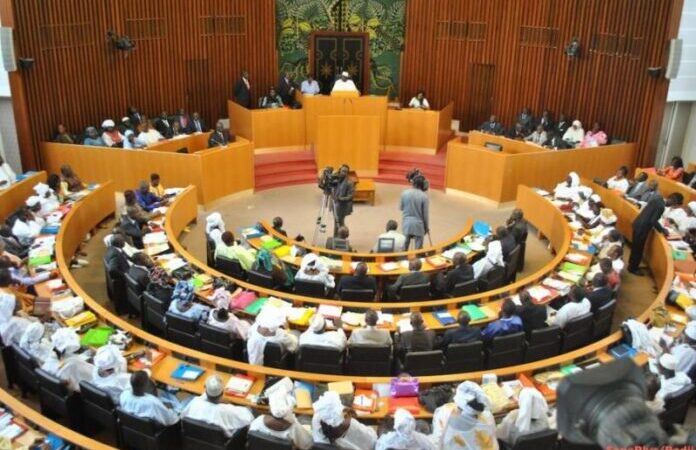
<point x="352" y="140"/>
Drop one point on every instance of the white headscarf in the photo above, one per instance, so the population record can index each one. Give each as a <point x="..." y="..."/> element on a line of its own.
<point x="213" y="221"/>
<point x="533" y="406"/>
<point x="7" y="307"/>
<point x="317" y="324"/>
<point x="33" y="201"/>
<point x="641" y="339"/>
<point x="108" y="123"/>
<point x="108" y="357"/>
<point x="281" y="403"/>
<point x="577" y="123"/>
<point x="31" y="335"/>
<point x="404" y="424"/>
<point x="466" y="392"/>
<point x="41" y="189"/>
<point x="312" y="260"/>
<point x="494" y="254"/>
<point x="270" y="318"/>
<point x="328" y="409"/>
<point x="574" y="179"/>
<point x="66" y="340"/>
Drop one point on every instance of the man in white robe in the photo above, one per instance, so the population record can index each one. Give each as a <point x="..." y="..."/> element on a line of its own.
<point x="111" y="371"/>
<point x="331" y="425"/>
<point x="317" y="335"/>
<point x="671" y="380"/>
<point x="344" y="84"/>
<point x="136" y="401"/>
<point x="281" y="422"/>
<point x="267" y="328"/>
<point x="404" y="436"/>
<point x="530" y="417"/>
<point x="64" y="363"/>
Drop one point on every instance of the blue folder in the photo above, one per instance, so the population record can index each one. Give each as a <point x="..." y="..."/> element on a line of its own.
<point x="187" y="372"/>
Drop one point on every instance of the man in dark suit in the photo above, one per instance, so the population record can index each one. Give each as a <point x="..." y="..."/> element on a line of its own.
<point x="183" y="118"/>
<point x="358" y="281"/>
<point x="545" y="120"/>
<point x="461" y="272"/>
<point x="638" y="187"/>
<point x="287" y="88"/>
<point x="419" y="339"/>
<point x="140" y="270"/>
<point x="164" y="125"/>
<point x="462" y="334"/>
<point x="135" y="117"/>
<point x="556" y="142"/>
<point x="518" y="226"/>
<point x="600" y="294"/>
<point x="562" y="125"/>
<point x="412" y="278"/>
<point x="533" y="316"/>
<point x="115" y="257"/>
<point x="492" y="126"/>
<point x="517" y="132"/>
<point x="220" y="137"/>
<point x="343" y="197"/>
<point x="648" y="218"/>
<point x="526" y="119"/>
<point x="507" y="241"/>
<point x="242" y="90"/>
<point x="196" y="124"/>
<point x="132" y="228"/>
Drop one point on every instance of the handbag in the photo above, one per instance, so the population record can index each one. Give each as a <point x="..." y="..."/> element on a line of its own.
<point x="404" y="386"/>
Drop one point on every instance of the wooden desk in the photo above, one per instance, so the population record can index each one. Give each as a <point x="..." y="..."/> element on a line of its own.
<point x="16" y="194"/>
<point x="667" y="186"/>
<point x="510" y="146"/>
<point x="192" y="142"/>
<point x="495" y="175"/>
<point x="269" y="129"/>
<point x="418" y="131"/>
<point x="217" y="172"/>
<point x="365" y="192"/>
<point x="352" y="140"/>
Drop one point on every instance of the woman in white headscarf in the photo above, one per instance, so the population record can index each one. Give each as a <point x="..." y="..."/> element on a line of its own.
<point x="467" y="423"/>
<point x="34" y="343"/>
<point x="267" y="328"/>
<point x="575" y="134"/>
<point x="64" y="363"/>
<point x="281" y="422"/>
<point x="49" y="201"/>
<point x="404" y="436"/>
<point x="214" y="227"/>
<point x="493" y="258"/>
<point x="568" y="189"/>
<point x="11" y="326"/>
<point x="312" y="269"/>
<point x="316" y="334"/>
<point x="111" y="371"/>
<point x="531" y="417"/>
<point x="332" y="424"/>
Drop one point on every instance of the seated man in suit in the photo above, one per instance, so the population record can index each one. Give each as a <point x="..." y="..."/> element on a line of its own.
<point x="412" y="278"/>
<point x="391" y="233"/>
<point x="419" y="339"/>
<point x="140" y="269"/>
<point x="340" y="241"/>
<point x="533" y="316"/>
<point x="462" y="334"/>
<point x="164" y="125"/>
<point x="220" y="137"/>
<point x="196" y="124"/>
<point x="115" y="256"/>
<point x="492" y="126"/>
<point x="272" y="100"/>
<point x="517" y="132"/>
<point x="638" y="186"/>
<point x="600" y="294"/>
<point x="556" y="142"/>
<point x="358" y="281"/>
<point x="461" y="272"/>
<point x="370" y="335"/>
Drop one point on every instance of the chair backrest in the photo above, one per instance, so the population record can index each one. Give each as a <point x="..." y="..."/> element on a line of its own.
<point x="369" y="360"/>
<point x="274" y="356"/>
<point x="677" y="405"/>
<point x="415" y="292"/>
<point x="508" y="342"/>
<point x="494" y="279"/>
<point x="25" y="367"/>
<point x="156" y="310"/>
<point x="505" y="350"/>
<point x="202" y="435"/>
<point x="133" y="293"/>
<point x="132" y="283"/>
<point x="315" y="358"/>
<point x="357" y="294"/>
<point x="543" y="343"/>
<point x="210" y="251"/>
<point x="213" y="334"/>
<point x="261" y="279"/>
<point x="96" y="396"/>
<point x="385" y="245"/>
<point x="134" y="427"/>
<point x="465" y="288"/>
<point x="182" y="330"/>
<point x="310" y="288"/>
<point x="467" y="357"/>
<point x="371" y="353"/>
<point x="602" y="320"/>
<point x="340" y="244"/>
<point x="52" y="384"/>
<point x="577" y="332"/>
<point x="423" y="363"/>
<point x="535" y="441"/>
<point x="230" y="267"/>
<point x="54" y="396"/>
<point x="261" y="441"/>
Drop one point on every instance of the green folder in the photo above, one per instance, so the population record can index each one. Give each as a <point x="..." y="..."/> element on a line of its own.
<point x="197" y="282"/>
<point x="572" y="267"/>
<point x="569" y="369"/>
<point x="271" y="244"/>
<point x="39" y="261"/>
<point x="474" y="312"/>
<point x="678" y="255"/>
<point x="254" y="308"/>
<point x="96" y="337"/>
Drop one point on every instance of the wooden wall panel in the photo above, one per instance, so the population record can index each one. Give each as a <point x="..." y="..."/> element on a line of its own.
<point x="497" y="56"/>
<point x="189" y="54"/>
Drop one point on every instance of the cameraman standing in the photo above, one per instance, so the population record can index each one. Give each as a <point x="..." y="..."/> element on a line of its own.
<point x="343" y="198"/>
<point x="414" y="209"/>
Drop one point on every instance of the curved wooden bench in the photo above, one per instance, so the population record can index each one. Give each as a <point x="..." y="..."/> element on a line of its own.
<point x="539" y="212"/>
<point x="14" y="196"/>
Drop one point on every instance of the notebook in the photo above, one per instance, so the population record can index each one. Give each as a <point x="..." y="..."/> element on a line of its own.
<point x="444" y="317"/>
<point x="474" y="312"/>
<point x="271" y="244"/>
<point x="410" y="404"/>
<point x="239" y="385"/>
<point x="623" y="351"/>
<point x="187" y="372"/>
<point x="330" y="311"/>
<point x="255" y="307"/>
<point x="96" y="337"/>
<point x="341" y="387"/>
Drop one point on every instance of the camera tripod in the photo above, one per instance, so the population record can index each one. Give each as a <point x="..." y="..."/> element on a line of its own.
<point x="326" y="209"/>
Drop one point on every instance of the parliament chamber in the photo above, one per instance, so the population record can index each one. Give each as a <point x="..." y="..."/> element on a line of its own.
<point x="346" y="224"/>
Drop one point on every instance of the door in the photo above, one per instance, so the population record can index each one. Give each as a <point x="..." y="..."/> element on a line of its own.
<point x="481" y="78"/>
<point x="334" y="52"/>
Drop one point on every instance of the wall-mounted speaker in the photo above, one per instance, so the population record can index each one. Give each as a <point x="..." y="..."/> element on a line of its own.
<point x="9" y="61"/>
<point x="675" y="57"/>
<point x="26" y="63"/>
<point x="654" y="72"/>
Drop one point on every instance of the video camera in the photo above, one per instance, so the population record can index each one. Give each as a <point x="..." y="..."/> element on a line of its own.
<point x="328" y="180"/>
<point x="412" y="175"/>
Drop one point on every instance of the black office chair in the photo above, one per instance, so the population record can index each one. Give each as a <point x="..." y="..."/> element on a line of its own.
<point x="466" y="288"/>
<point x="512" y="264"/>
<point x="577" y="332"/>
<point x="318" y="359"/>
<point x="199" y="435"/>
<point x="155" y="311"/>
<point x="134" y="295"/>
<point x="565" y="445"/>
<point x="466" y="357"/>
<point x="494" y="279"/>
<point x="414" y="292"/>
<point x="109" y="281"/>
<point x="535" y="441"/>
<point x="357" y="295"/>
<point x="543" y="343"/>
<point x="99" y="408"/>
<point x="8" y="361"/>
<point x="116" y="288"/>
<point x="145" y="434"/>
<point x="220" y="343"/>
<point x="25" y="370"/>
<point x="423" y="363"/>
<point x="505" y="350"/>
<point x="261" y="279"/>
<point x="324" y="447"/>
<point x="385" y="245"/>
<point x="57" y="402"/>
<point x="262" y="441"/>
<point x="676" y="406"/>
<point x="602" y="321"/>
<point x="230" y="267"/>
<point x="210" y="252"/>
<point x="183" y="330"/>
<point x="275" y="356"/>
<point x="523" y="250"/>
<point x="369" y="360"/>
<point x="310" y="288"/>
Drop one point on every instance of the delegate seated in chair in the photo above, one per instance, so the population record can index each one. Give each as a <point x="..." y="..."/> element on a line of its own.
<point x="391" y="240"/>
<point x="313" y="269"/>
<point x="317" y="335"/>
<point x="462" y="334"/>
<point x="267" y="328"/>
<point x="230" y="249"/>
<point x="358" y="281"/>
<point x="413" y="277"/>
<point x="461" y="272"/>
<point x="340" y="240"/>
<point x="508" y="323"/>
<point x="419" y="339"/>
<point x="138" y="402"/>
<point x="530" y="417"/>
<point x="281" y="422"/>
<point x="370" y="335"/>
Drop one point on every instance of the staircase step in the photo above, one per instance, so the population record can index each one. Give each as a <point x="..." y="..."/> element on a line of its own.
<point x="283" y="157"/>
<point x="281" y="179"/>
<point x="292" y="167"/>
